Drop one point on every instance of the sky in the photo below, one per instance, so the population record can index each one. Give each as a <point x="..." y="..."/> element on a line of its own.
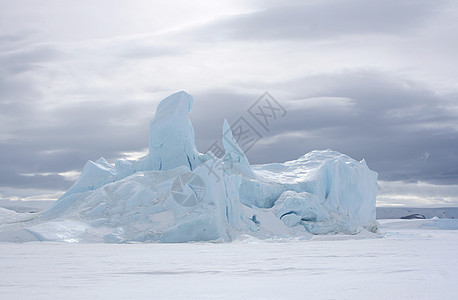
<point x="376" y="80"/>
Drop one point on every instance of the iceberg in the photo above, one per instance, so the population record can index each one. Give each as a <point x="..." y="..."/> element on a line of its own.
<point x="176" y="194"/>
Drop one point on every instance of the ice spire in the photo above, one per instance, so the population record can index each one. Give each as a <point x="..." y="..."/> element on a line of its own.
<point x="171" y="136"/>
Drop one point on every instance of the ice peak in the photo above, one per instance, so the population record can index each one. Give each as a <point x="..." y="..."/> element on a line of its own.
<point x="171" y="137"/>
<point x="229" y="143"/>
<point x="178" y="103"/>
<point x="233" y="152"/>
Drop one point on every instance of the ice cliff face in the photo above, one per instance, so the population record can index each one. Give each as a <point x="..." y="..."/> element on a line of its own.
<point x="176" y="194"/>
<point x="324" y="191"/>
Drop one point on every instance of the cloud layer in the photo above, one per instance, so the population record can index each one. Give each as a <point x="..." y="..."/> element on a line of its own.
<point x="372" y="79"/>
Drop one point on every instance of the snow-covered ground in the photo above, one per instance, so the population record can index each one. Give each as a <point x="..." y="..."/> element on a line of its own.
<point x="412" y="259"/>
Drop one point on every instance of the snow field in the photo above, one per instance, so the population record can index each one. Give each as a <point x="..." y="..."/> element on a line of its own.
<point x="408" y="261"/>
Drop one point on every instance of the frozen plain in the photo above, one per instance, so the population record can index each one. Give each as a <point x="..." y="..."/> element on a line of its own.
<point x="410" y="259"/>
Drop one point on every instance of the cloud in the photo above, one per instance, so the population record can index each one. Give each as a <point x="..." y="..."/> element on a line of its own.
<point x="28" y="56"/>
<point x="418" y="194"/>
<point x="145" y="47"/>
<point x="372" y="79"/>
<point x="368" y="114"/>
<point x="37" y="181"/>
<point x="320" y="20"/>
<point x="383" y="118"/>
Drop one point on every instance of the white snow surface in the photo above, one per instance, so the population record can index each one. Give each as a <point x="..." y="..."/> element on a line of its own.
<point x="411" y="259"/>
<point x="176" y="194"/>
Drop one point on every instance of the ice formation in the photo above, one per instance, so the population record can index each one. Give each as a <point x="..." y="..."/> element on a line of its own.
<point x="176" y="194"/>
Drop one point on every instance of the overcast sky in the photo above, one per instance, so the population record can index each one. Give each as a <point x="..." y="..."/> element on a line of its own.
<point x="372" y="79"/>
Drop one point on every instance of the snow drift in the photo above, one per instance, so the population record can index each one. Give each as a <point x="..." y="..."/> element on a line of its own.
<point x="176" y="194"/>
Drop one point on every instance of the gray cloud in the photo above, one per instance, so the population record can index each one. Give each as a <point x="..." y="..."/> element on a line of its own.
<point x="321" y="20"/>
<point x="416" y="194"/>
<point x="26" y="58"/>
<point x="63" y="102"/>
<point x="139" y="49"/>
<point x="212" y="107"/>
<point x="52" y="181"/>
<point x="405" y="132"/>
<point x="65" y="139"/>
